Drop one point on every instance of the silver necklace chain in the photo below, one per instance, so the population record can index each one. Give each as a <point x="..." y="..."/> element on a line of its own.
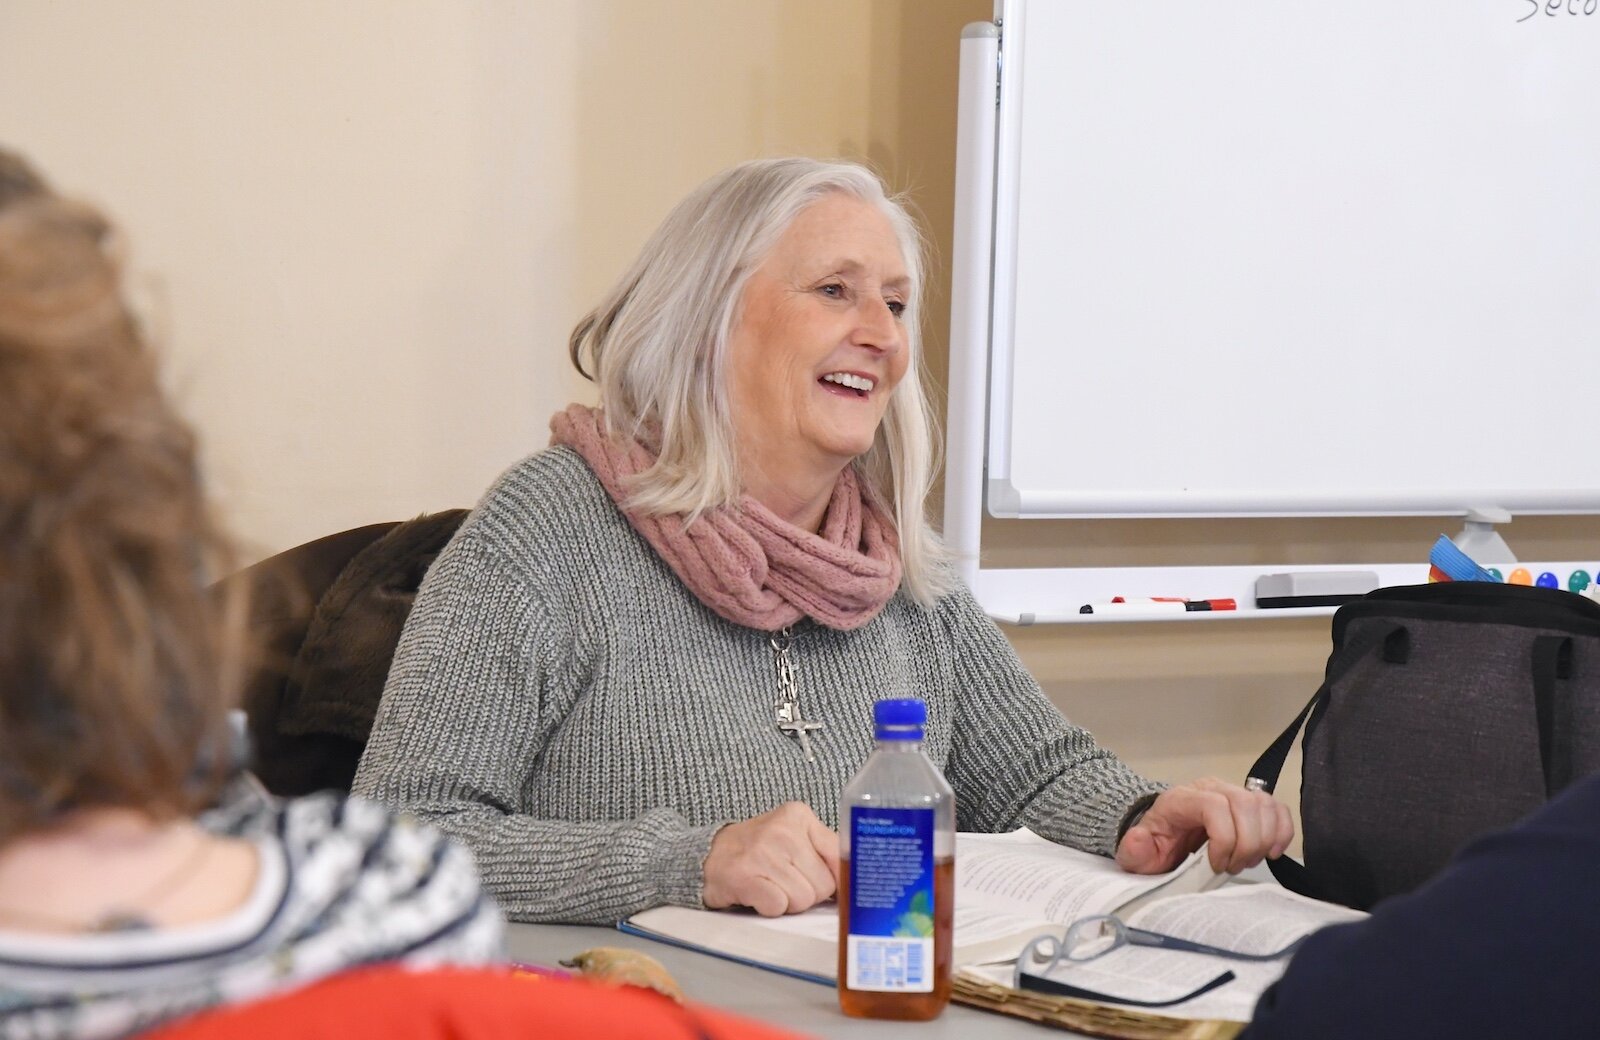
<point x="786" y="709"/>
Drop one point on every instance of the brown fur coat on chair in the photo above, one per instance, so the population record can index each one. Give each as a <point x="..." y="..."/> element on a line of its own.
<point x="327" y="616"/>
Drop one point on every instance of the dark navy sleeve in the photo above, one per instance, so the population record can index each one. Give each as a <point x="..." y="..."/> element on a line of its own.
<point x="1503" y="943"/>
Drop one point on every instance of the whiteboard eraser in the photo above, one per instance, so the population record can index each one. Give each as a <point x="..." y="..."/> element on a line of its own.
<point x="1313" y="588"/>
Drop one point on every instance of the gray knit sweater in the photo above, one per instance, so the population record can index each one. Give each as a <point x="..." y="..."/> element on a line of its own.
<point x="561" y="702"/>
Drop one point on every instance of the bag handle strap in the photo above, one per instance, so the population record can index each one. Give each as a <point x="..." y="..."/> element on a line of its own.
<point x="1552" y="661"/>
<point x="1395" y="641"/>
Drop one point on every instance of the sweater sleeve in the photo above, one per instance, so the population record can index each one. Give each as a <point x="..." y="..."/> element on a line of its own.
<point x="484" y="670"/>
<point x="1015" y="760"/>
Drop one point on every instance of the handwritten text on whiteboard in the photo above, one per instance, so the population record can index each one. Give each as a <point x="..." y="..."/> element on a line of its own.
<point x="1552" y="8"/>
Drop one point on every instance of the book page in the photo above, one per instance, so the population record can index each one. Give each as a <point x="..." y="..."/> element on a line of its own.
<point x="809" y="942"/>
<point x="973" y="926"/>
<point x="806" y="942"/>
<point x="1024" y="874"/>
<point x="1248" y="918"/>
<point x="1009" y="888"/>
<point x="1139" y="973"/>
<point x="1244" y="918"/>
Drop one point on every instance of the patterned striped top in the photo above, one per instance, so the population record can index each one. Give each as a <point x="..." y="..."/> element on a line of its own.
<point x="340" y="883"/>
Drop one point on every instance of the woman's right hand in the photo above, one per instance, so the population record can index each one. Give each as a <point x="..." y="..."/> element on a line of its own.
<point x="781" y="862"/>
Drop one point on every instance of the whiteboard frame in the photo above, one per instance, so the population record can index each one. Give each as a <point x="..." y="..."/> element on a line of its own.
<point x="977" y="475"/>
<point x="1006" y="495"/>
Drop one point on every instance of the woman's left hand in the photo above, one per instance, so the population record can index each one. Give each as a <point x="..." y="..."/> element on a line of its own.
<point x="1242" y="826"/>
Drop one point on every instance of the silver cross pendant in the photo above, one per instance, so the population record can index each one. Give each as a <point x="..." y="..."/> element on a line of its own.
<point x="797" y="728"/>
<point x="786" y="710"/>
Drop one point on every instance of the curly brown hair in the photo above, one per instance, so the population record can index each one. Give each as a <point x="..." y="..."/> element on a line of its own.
<point x="117" y="669"/>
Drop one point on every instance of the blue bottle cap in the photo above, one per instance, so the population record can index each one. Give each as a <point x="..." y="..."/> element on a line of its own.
<point x="1548" y="580"/>
<point x="899" y="719"/>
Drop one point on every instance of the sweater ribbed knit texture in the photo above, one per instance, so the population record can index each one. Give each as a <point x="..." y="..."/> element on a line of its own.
<point x="562" y="703"/>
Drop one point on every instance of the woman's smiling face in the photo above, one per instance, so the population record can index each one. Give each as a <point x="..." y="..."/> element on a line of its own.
<point x="819" y="345"/>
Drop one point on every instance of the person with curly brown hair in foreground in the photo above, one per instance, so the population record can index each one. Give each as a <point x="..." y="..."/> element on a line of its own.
<point x="143" y="889"/>
<point x="133" y="890"/>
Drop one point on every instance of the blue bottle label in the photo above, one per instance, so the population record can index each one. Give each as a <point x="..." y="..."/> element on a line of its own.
<point x="890" y="942"/>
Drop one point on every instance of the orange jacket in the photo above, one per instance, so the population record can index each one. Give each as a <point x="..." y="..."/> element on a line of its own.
<point x="397" y="1003"/>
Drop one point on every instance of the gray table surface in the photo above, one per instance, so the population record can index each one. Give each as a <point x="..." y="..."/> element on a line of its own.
<point x="804" y="1007"/>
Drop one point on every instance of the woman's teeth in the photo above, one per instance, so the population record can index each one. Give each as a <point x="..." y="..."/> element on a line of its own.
<point x="850" y="380"/>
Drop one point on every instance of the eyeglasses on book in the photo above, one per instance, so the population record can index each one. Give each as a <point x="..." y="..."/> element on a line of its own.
<point x="1090" y="938"/>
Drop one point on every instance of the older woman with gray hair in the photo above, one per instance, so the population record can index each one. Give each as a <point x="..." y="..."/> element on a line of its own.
<point x="645" y="667"/>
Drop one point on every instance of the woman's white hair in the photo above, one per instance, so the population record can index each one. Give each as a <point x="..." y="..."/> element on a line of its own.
<point x="657" y="345"/>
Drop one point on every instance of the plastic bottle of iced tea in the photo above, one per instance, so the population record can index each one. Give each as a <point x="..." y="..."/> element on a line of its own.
<point x="897" y="822"/>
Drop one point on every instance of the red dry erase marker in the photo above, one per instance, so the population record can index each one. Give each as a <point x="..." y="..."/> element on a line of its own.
<point x="1211" y="604"/>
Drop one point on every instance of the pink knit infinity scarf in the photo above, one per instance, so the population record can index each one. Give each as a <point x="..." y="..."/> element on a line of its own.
<point x="746" y="563"/>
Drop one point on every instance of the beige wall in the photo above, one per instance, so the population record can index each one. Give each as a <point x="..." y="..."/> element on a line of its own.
<point x="366" y="227"/>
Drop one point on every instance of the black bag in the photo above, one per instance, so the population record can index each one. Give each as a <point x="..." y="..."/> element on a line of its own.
<point x="1447" y="710"/>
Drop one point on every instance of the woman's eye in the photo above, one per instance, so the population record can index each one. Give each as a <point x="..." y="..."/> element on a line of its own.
<point x="896" y="307"/>
<point x="833" y="290"/>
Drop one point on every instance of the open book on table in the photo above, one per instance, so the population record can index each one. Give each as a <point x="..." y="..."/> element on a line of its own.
<point x="1013" y="887"/>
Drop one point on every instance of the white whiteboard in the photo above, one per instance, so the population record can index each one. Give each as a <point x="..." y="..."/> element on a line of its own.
<point x="1295" y="258"/>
